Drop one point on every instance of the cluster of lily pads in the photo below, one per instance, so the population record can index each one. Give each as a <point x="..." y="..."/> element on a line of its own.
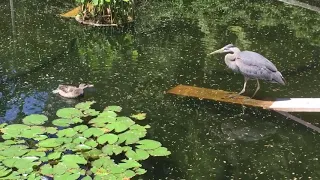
<point x="82" y="144"/>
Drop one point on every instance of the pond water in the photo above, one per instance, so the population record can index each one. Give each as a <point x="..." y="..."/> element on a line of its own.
<point x="168" y="46"/>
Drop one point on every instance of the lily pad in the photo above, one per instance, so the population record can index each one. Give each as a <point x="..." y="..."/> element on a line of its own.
<point x="137" y="155"/>
<point x="54" y="155"/>
<point x="127" y="164"/>
<point x="35" y="119"/>
<point x="140" y="171"/>
<point x="122" y="124"/>
<point x="4" y="171"/>
<point x="161" y="151"/>
<point x="91" y="143"/>
<point x="70" y="158"/>
<point x="24" y="165"/>
<point x="33" y="132"/>
<point x="35" y="153"/>
<point x="112" y="149"/>
<point x="108" y="114"/>
<point x="51" y="130"/>
<point x="113" y="108"/>
<point x="62" y="122"/>
<point x="110" y="138"/>
<point x="148" y="144"/>
<point x="87" y="178"/>
<point x="131" y="136"/>
<point x="67" y="176"/>
<point x="11" y="142"/>
<point x="139" y="116"/>
<point x="13" y="175"/>
<point x="102" y="120"/>
<point x="93" y="132"/>
<point x="91" y="112"/>
<point x="52" y="142"/>
<point x="129" y="174"/>
<point x="14" y="151"/>
<point x="14" y="130"/>
<point x="69" y="113"/>
<point x="59" y="169"/>
<point x="104" y="162"/>
<point x="81" y="147"/>
<point x="84" y="105"/>
<point x="79" y="140"/>
<point x="69" y="132"/>
<point x="46" y="170"/>
<point x="76" y="120"/>
<point x="80" y="128"/>
<point x="93" y="153"/>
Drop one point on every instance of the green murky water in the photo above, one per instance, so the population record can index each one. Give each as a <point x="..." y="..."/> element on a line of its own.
<point x="208" y="140"/>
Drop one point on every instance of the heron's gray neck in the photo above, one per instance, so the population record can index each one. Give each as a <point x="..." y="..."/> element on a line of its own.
<point x="229" y="59"/>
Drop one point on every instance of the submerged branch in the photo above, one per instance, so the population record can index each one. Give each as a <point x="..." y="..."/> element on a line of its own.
<point x="301" y="4"/>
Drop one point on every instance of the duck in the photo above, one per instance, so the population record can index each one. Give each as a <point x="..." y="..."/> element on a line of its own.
<point x="69" y="91"/>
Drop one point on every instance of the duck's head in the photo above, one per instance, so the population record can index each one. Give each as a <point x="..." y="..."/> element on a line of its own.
<point x="82" y="86"/>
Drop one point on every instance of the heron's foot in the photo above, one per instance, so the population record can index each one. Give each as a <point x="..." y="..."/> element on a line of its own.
<point x="253" y="95"/>
<point x="242" y="91"/>
<point x="231" y="96"/>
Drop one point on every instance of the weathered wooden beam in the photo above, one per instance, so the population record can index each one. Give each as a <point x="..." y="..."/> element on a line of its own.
<point x="279" y="104"/>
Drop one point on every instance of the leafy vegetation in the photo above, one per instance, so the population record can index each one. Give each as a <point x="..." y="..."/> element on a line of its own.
<point x="108" y="147"/>
<point x="114" y="12"/>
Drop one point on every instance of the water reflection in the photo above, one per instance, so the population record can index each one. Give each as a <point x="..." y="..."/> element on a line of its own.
<point x="33" y="103"/>
<point x="238" y="128"/>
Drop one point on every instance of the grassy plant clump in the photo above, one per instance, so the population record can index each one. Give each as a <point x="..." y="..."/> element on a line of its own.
<point x="83" y="143"/>
<point x="114" y="13"/>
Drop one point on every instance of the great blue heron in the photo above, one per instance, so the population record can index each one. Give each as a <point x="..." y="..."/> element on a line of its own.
<point x="251" y="65"/>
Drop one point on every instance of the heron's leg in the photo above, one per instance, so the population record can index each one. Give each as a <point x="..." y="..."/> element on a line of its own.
<point x="244" y="85"/>
<point x="258" y="87"/>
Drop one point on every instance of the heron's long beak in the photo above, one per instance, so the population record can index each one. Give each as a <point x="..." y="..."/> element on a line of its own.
<point x="217" y="51"/>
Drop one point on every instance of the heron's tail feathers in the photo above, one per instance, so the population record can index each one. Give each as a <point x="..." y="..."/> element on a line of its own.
<point x="278" y="78"/>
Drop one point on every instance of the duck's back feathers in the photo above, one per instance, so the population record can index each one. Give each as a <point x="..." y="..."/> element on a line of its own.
<point x="69" y="91"/>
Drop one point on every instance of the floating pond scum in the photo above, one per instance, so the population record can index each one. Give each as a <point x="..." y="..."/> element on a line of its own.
<point x="280" y="105"/>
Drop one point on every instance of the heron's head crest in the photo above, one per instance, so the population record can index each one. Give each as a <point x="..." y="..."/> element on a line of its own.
<point x="229" y="46"/>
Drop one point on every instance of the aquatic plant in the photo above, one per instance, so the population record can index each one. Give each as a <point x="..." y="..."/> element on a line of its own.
<point x="112" y="13"/>
<point x="86" y="144"/>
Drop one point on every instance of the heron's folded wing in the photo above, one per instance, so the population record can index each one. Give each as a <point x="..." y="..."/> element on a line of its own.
<point x="254" y="59"/>
<point x="254" y="71"/>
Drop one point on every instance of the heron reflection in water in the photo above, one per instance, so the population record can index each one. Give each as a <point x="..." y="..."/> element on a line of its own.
<point x="251" y="65"/>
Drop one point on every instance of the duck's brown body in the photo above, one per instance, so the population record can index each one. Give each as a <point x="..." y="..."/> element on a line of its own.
<point x="71" y="91"/>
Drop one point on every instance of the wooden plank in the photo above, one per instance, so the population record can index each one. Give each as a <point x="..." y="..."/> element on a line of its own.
<point x="296" y="104"/>
<point x="279" y="104"/>
<point x="218" y="95"/>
